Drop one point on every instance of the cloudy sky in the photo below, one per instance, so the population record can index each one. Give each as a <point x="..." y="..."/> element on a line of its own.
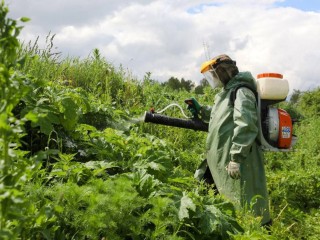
<point x="173" y="37"/>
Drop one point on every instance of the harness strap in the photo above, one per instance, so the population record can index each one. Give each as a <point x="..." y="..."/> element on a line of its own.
<point x="233" y="94"/>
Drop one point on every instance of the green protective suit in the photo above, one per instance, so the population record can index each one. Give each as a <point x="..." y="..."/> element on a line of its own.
<point x="233" y="131"/>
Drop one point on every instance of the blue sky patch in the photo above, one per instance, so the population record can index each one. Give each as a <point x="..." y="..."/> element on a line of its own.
<point x="199" y="8"/>
<point x="305" y="5"/>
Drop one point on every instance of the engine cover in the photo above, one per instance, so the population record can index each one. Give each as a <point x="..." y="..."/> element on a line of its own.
<point x="279" y="128"/>
<point x="285" y="129"/>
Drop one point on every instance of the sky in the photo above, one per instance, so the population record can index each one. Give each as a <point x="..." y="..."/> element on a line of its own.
<point x="172" y="38"/>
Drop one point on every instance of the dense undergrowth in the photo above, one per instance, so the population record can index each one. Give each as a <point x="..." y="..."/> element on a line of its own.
<point x="77" y="162"/>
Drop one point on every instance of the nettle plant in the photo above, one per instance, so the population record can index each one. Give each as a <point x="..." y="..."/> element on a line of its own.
<point x="14" y="167"/>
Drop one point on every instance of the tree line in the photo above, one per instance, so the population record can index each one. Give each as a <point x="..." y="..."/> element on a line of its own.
<point x="188" y="85"/>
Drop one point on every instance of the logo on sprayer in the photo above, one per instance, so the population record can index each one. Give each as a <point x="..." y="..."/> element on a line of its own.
<point x="286" y="132"/>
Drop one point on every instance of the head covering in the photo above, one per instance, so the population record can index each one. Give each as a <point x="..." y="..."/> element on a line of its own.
<point x="219" y="70"/>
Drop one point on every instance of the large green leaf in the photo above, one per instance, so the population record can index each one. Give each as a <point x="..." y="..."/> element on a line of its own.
<point x="186" y="204"/>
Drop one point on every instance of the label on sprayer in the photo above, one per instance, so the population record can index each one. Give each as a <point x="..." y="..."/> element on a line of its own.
<point x="286" y="132"/>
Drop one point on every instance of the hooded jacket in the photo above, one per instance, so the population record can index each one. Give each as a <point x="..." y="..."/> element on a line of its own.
<point x="233" y="130"/>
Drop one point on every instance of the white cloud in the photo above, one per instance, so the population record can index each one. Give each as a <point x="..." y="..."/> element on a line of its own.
<point x="167" y="37"/>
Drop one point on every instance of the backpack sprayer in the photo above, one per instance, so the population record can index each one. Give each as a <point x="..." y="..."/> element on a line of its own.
<point x="275" y="124"/>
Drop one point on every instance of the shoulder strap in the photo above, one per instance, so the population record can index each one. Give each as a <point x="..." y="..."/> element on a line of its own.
<point x="233" y="94"/>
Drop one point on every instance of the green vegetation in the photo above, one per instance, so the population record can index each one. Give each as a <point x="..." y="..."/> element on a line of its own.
<point x="77" y="163"/>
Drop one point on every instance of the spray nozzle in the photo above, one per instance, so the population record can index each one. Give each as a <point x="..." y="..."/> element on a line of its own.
<point x="152" y="110"/>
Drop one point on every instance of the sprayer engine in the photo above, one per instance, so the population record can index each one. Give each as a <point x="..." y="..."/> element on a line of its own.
<point x="279" y="128"/>
<point x="276" y="129"/>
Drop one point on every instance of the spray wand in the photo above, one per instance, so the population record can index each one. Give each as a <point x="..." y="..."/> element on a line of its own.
<point x="194" y="123"/>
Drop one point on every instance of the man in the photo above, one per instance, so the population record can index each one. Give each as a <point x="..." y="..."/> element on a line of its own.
<point x="234" y="156"/>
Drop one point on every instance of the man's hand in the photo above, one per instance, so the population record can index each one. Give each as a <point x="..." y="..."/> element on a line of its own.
<point x="233" y="169"/>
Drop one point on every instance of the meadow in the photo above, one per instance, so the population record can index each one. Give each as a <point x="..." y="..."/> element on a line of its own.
<point x="78" y="162"/>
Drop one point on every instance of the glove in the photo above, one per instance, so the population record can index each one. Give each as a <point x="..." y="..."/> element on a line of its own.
<point x="233" y="169"/>
<point x="193" y="106"/>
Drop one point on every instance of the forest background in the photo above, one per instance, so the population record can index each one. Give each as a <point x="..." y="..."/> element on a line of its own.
<point x="77" y="161"/>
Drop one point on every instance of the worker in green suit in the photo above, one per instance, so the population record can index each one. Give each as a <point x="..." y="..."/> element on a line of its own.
<point x="234" y="155"/>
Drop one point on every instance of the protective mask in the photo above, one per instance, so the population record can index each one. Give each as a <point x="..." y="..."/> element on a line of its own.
<point x="212" y="77"/>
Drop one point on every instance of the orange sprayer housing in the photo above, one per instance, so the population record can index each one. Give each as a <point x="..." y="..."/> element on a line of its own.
<point x="285" y="129"/>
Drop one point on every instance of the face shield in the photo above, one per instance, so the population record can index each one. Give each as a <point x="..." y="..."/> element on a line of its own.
<point x="213" y="79"/>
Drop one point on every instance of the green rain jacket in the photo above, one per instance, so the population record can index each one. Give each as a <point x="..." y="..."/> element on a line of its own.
<point x="233" y="131"/>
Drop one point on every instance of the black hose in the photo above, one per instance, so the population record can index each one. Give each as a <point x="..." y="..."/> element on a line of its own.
<point x="195" y="124"/>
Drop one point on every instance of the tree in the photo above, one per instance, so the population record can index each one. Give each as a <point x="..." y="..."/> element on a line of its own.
<point x="177" y="84"/>
<point x="187" y="84"/>
<point x="295" y="96"/>
<point x="201" y="86"/>
<point x="308" y="103"/>
<point x="174" y="83"/>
